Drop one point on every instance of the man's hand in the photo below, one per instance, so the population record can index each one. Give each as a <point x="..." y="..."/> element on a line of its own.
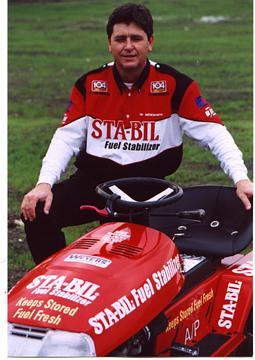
<point x="244" y="190"/>
<point x="42" y="192"/>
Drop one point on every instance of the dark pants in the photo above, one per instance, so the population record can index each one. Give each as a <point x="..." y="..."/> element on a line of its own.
<point x="44" y="234"/>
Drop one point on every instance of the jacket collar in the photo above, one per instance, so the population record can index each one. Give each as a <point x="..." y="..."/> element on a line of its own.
<point x="139" y="82"/>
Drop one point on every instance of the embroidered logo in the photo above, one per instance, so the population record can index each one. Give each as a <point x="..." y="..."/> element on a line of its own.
<point x="158" y="87"/>
<point x="99" y="86"/>
<point x="209" y="112"/>
<point x="200" y="102"/>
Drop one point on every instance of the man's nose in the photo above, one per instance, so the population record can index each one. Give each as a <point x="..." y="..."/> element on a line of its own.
<point x="129" y="44"/>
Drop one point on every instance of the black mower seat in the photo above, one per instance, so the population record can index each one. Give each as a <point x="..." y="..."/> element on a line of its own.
<point x="226" y="229"/>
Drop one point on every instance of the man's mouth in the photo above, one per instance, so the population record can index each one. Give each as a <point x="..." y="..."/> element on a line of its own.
<point x="129" y="56"/>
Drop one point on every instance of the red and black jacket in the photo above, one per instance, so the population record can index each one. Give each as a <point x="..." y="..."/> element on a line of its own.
<point x="137" y="131"/>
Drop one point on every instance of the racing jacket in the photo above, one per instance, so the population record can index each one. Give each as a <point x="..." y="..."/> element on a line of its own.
<point x="116" y="130"/>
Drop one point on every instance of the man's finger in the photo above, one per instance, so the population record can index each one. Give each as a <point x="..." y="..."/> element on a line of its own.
<point x="31" y="209"/>
<point x="247" y="203"/>
<point x="47" y="205"/>
<point x="23" y="210"/>
<point x="245" y="200"/>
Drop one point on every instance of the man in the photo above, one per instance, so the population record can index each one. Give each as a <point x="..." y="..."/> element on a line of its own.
<point x="124" y="119"/>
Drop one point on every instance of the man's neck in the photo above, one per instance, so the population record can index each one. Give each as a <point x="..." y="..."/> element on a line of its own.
<point x="130" y="75"/>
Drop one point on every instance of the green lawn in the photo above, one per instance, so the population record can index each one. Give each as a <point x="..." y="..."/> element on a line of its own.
<point x="51" y="43"/>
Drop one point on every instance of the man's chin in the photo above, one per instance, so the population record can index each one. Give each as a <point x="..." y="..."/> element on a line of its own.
<point x="129" y="65"/>
<point x="130" y="68"/>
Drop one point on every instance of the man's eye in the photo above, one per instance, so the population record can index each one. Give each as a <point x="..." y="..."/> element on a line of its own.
<point x="120" y="39"/>
<point x="136" y="38"/>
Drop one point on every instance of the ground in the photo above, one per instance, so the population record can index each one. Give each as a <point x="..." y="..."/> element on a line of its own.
<point x="18" y="246"/>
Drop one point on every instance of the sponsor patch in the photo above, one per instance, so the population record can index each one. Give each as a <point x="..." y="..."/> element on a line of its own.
<point x="209" y="112"/>
<point x="158" y="87"/>
<point x="200" y="102"/>
<point x="99" y="86"/>
<point x="64" y="120"/>
<point x="89" y="259"/>
<point x="68" y="108"/>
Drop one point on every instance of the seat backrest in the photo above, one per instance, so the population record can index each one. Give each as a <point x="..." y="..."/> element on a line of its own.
<point x="226" y="230"/>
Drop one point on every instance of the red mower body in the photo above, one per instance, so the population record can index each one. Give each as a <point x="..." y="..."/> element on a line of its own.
<point x="214" y="314"/>
<point x="109" y="284"/>
<point x="129" y="289"/>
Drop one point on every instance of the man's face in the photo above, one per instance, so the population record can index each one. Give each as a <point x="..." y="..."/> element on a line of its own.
<point x="129" y="46"/>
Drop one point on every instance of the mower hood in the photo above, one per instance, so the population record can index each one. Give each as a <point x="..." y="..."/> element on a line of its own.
<point x="109" y="283"/>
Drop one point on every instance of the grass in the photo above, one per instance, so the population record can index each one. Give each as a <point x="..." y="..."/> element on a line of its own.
<point x="51" y="43"/>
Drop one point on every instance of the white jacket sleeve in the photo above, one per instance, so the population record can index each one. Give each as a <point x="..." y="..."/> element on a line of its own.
<point x="65" y="143"/>
<point x="219" y="141"/>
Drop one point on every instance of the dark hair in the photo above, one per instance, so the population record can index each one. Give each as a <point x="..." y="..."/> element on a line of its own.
<point x="128" y="13"/>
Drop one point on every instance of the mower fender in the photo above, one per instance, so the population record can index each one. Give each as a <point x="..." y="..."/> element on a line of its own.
<point x="233" y="299"/>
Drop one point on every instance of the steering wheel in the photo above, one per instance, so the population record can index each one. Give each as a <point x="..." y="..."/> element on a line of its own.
<point x="110" y="191"/>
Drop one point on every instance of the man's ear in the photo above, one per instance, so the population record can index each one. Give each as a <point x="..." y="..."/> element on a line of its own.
<point x="151" y="42"/>
<point x="109" y="45"/>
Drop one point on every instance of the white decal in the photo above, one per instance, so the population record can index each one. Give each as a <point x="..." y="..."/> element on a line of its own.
<point x="108" y="317"/>
<point x="164" y="275"/>
<point x="89" y="259"/>
<point x="115" y="237"/>
<point x="245" y="269"/>
<point x="80" y="291"/>
<point x="118" y="310"/>
<point x="143" y="293"/>
<point x="229" y="308"/>
<point x="27" y="308"/>
<point x="190" y="334"/>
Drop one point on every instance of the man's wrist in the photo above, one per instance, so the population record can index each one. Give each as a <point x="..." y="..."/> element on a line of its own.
<point x="239" y="177"/>
<point x="44" y="183"/>
<point x="241" y="180"/>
